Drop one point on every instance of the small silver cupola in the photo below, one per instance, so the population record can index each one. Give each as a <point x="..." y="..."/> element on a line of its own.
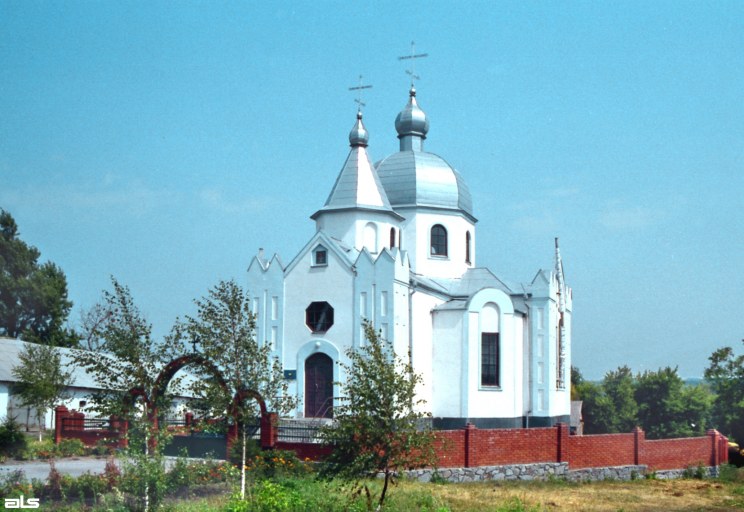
<point x="358" y="136"/>
<point x="412" y="125"/>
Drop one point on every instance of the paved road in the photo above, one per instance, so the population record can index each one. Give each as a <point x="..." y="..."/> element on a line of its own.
<point x="74" y="466"/>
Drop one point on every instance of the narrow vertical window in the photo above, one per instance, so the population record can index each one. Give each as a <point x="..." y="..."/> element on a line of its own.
<point x="392" y="237"/>
<point x="438" y="240"/>
<point x="490" y="359"/>
<point x="467" y="247"/>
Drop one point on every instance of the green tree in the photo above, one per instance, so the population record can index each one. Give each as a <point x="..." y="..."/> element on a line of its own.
<point x="42" y="379"/>
<point x="224" y="331"/>
<point x="126" y="356"/>
<point x="126" y="364"/>
<point x="667" y="407"/>
<point x="33" y="296"/>
<point x="598" y="411"/>
<point x="726" y="377"/>
<point x="378" y="426"/>
<point x="609" y="406"/>
<point x="619" y="387"/>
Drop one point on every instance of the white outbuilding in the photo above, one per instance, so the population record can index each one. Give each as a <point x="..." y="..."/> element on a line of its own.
<point x="395" y="243"/>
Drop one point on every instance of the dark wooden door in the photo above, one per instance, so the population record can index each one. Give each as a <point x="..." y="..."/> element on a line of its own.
<point x="319" y="386"/>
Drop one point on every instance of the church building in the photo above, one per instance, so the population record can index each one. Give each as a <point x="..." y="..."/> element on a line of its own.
<point x="395" y="243"/>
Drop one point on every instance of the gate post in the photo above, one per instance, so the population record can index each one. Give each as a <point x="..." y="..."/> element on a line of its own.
<point x="60" y="412"/>
<point x="269" y="430"/>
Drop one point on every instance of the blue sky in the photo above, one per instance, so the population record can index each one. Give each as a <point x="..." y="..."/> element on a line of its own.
<point x="164" y="143"/>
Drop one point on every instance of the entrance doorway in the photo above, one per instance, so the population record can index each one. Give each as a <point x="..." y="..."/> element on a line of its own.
<point x="319" y="386"/>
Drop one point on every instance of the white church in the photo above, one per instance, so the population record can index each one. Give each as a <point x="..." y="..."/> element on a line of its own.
<point x="395" y="243"/>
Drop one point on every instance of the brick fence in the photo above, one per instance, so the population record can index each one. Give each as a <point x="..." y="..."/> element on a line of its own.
<point x="74" y="425"/>
<point x="473" y="447"/>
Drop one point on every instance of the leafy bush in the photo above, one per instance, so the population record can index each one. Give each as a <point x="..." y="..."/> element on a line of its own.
<point x="185" y="473"/>
<point x="70" y="448"/>
<point x="144" y="481"/>
<point x="267" y="496"/>
<point x="252" y="449"/>
<point x="44" y="449"/>
<point x="698" y="472"/>
<point x="13" y="484"/>
<point x="86" y="486"/>
<point x="273" y="464"/>
<point x="730" y="473"/>
<point x="12" y="439"/>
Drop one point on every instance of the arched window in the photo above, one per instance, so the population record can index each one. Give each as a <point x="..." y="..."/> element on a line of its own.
<point x="467" y="247"/>
<point x="438" y="240"/>
<point x="392" y="237"/>
<point x="370" y="237"/>
<point x="490" y="346"/>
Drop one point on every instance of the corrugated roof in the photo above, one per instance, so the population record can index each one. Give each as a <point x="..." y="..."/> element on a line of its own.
<point x="10" y="349"/>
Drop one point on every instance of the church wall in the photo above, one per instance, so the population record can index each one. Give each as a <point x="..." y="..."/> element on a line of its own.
<point x="447" y="364"/>
<point x="547" y="400"/>
<point x="422" y="306"/>
<point x="332" y="283"/>
<point x="352" y="228"/>
<point x="416" y="240"/>
<point x="505" y="400"/>
<point x="266" y="289"/>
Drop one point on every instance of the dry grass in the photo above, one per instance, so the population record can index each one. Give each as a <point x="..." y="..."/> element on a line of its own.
<point x="643" y="495"/>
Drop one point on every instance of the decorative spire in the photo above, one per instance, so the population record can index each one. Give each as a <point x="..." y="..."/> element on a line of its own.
<point x="411" y="123"/>
<point x="359" y="135"/>
<point x="412" y="71"/>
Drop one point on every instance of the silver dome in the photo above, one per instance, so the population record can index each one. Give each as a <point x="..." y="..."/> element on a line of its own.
<point x="420" y="179"/>
<point x="412" y="120"/>
<point x="359" y="135"/>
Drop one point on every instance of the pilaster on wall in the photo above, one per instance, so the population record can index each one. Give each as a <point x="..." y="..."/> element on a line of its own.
<point x="639" y="437"/>
<point x="563" y="433"/>
<point x="469" y="444"/>
<point x="718" y="448"/>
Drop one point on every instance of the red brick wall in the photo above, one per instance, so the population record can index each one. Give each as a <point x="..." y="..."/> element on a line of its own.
<point x="513" y="446"/>
<point x="676" y="453"/>
<point x="471" y="447"/>
<point x="449" y="446"/>
<point x="601" y="451"/>
<point x="312" y="451"/>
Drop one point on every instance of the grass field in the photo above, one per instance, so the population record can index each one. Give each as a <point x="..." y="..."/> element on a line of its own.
<point x="639" y="495"/>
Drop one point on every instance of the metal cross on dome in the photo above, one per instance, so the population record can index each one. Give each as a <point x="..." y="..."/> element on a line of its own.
<point x="412" y="71"/>
<point x="360" y="88"/>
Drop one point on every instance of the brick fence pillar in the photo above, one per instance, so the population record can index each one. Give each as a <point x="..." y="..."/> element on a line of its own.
<point x="189" y="417"/>
<point x="269" y="430"/>
<point x="715" y="456"/>
<point x="562" y="454"/>
<point x="60" y="413"/>
<point x="469" y="444"/>
<point x="639" y="437"/>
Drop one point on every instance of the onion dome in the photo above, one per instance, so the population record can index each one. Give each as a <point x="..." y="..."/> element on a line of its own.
<point x="411" y="124"/>
<point x="358" y="136"/>
<point x="414" y="178"/>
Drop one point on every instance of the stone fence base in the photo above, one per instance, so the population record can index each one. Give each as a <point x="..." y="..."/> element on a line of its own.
<point x="546" y="471"/>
